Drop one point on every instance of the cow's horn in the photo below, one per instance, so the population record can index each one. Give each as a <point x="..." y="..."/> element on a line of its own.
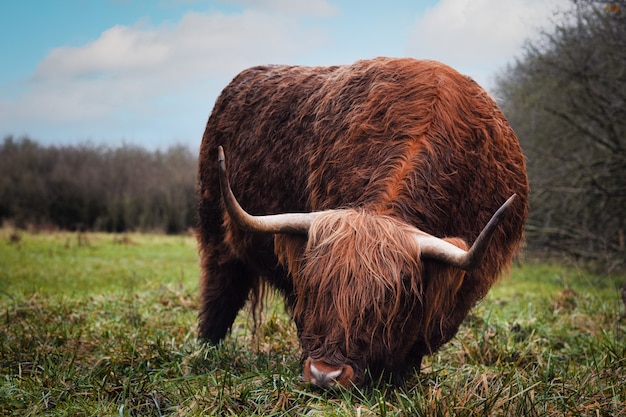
<point x="288" y="223"/>
<point x="434" y="248"/>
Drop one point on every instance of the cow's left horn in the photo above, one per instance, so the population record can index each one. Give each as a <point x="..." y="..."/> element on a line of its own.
<point x="434" y="248"/>
<point x="287" y="223"/>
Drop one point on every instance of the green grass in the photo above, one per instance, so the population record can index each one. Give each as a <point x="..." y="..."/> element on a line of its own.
<point x="76" y="264"/>
<point x="105" y="326"/>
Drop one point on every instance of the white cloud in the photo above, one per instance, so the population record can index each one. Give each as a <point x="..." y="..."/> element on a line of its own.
<point x="479" y="35"/>
<point x="132" y="72"/>
<point x="119" y="48"/>
<point x="200" y="46"/>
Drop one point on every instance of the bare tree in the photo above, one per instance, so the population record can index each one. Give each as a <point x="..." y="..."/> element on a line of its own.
<point x="566" y="98"/>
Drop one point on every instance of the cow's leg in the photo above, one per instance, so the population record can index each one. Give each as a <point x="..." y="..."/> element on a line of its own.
<point x="224" y="289"/>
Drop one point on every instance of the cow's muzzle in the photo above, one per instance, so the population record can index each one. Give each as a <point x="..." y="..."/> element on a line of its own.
<point x="323" y="375"/>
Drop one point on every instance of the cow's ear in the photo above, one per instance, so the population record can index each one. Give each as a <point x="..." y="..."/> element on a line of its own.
<point x="289" y="250"/>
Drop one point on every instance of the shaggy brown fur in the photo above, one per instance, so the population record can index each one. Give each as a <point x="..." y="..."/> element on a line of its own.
<point x="369" y="301"/>
<point x="398" y="144"/>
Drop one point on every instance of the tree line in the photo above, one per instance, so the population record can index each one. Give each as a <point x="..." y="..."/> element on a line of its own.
<point x="566" y="99"/>
<point x="88" y="187"/>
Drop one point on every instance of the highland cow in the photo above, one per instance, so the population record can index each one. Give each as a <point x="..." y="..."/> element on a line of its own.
<point x="356" y="193"/>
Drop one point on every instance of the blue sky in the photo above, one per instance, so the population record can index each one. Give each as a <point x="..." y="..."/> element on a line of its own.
<point x="148" y="72"/>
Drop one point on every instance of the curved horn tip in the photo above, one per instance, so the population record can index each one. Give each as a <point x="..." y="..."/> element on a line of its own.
<point x="478" y="249"/>
<point x="441" y="250"/>
<point x="497" y="216"/>
<point x="288" y="223"/>
<point x="510" y="200"/>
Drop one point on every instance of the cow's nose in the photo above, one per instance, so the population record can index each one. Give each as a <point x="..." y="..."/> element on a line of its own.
<point x="323" y="375"/>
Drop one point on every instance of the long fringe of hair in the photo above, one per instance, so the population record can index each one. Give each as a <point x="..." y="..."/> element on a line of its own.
<point x="361" y="272"/>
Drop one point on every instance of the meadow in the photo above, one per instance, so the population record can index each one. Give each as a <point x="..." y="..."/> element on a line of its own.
<point x="104" y="325"/>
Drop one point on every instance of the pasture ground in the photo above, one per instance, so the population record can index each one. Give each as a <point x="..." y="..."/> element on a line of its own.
<point x="104" y="325"/>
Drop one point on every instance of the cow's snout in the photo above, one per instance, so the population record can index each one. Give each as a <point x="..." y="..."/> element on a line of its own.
<point x="323" y="375"/>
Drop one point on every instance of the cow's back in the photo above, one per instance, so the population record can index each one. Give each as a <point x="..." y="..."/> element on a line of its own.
<point x="414" y="139"/>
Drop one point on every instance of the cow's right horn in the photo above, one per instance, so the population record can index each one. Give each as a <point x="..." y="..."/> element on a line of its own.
<point x="287" y="223"/>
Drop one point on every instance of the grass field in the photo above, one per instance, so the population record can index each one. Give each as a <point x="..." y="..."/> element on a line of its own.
<point x="104" y="325"/>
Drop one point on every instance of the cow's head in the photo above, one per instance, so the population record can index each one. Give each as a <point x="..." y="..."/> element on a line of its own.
<point x="362" y="300"/>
